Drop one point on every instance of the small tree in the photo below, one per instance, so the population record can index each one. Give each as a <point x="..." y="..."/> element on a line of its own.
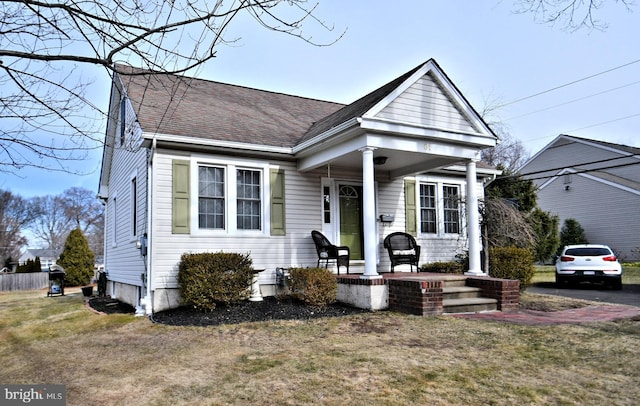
<point x="77" y="259"/>
<point x="572" y="233"/>
<point x="545" y="226"/>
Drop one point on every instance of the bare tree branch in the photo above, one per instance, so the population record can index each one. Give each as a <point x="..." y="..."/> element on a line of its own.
<point x="43" y="98"/>
<point x="570" y="14"/>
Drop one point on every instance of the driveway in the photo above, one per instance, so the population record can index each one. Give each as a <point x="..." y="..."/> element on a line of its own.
<point x="629" y="295"/>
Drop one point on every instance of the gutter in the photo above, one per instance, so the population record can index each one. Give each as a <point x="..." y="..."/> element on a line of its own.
<point x="147" y="301"/>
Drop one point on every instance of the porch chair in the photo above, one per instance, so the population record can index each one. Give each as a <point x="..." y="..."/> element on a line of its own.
<point x="403" y="249"/>
<point x="327" y="251"/>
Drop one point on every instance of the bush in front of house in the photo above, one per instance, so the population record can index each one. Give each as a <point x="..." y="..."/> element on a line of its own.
<point x="512" y="263"/>
<point x="313" y="286"/>
<point x="77" y="259"/>
<point x="207" y="279"/>
<point x="455" y="267"/>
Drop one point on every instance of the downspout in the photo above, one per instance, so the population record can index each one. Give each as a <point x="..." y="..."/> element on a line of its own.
<point x="148" y="300"/>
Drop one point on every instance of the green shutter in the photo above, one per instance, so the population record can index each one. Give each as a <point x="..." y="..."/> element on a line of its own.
<point x="180" y="206"/>
<point x="410" y="207"/>
<point x="276" y="177"/>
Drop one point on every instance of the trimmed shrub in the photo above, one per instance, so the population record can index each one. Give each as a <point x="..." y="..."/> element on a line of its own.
<point x="512" y="263"/>
<point x="207" y="279"/>
<point x="443" y="267"/>
<point x="77" y="259"/>
<point x="313" y="286"/>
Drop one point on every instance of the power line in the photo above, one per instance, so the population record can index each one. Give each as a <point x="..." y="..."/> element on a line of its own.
<point x="568" y="84"/>
<point x="604" y="122"/>
<point x="574" y="100"/>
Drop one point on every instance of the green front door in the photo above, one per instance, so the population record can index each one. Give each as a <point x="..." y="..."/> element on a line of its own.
<point x="351" y="219"/>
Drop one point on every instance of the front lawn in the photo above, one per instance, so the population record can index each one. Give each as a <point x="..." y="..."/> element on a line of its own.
<point x="372" y="358"/>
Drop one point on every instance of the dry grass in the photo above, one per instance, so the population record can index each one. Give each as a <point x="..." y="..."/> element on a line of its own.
<point x="379" y="358"/>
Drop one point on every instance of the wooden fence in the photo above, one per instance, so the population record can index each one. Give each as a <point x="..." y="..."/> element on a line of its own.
<point x="24" y="281"/>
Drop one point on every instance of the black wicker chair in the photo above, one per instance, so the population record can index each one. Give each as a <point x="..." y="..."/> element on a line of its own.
<point x="327" y="251"/>
<point x="403" y="249"/>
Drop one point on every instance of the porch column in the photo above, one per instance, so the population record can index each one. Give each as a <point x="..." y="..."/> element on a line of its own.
<point x="369" y="215"/>
<point x="473" y="222"/>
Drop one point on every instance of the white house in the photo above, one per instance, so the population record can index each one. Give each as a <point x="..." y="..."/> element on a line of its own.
<point x="191" y="165"/>
<point x="594" y="182"/>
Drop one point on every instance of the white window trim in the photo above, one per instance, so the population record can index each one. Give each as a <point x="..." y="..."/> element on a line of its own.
<point x="133" y="206"/>
<point x="114" y="220"/>
<point x="230" y="210"/>
<point x="439" y="183"/>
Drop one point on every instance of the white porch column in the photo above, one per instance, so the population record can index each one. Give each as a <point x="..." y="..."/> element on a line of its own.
<point x="369" y="215"/>
<point x="473" y="222"/>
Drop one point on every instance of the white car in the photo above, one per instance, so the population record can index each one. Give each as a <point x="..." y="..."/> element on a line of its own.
<point x="588" y="262"/>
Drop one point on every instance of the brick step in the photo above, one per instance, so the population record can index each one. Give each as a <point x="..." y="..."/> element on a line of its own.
<point x="460" y="292"/>
<point x="454" y="281"/>
<point x="469" y="305"/>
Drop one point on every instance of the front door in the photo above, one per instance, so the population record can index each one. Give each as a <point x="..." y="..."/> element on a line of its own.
<point x="351" y="233"/>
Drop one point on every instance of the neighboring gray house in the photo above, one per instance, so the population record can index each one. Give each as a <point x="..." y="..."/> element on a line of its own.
<point x="191" y="165"/>
<point x="47" y="257"/>
<point x="594" y="182"/>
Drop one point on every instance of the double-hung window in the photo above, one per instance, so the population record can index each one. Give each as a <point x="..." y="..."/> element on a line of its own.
<point x="451" y="199"/>
<point x="230" y="198"/>
<point x="211" y="197"/>
<point x="439" y="208"/>
<point x="428" y="219"/>
<point x="248" y="201"/>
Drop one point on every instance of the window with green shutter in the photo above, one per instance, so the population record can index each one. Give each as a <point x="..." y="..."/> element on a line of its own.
<point x="180" y="197"/>
<point x="277" y="202"/>
<point x="410" y="206"/>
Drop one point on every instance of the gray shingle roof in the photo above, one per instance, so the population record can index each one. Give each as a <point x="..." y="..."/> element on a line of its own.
<point x="171" y="104"/>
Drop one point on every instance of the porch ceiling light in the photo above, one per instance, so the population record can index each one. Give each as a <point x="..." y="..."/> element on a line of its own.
<point x="379" y="160"/>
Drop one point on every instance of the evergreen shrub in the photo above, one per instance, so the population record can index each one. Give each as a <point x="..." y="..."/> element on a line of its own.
<point x="512" y="263"/>
<point x="455" y="267"/>
<point x="207" y="279"/>
<point x="313" y="286"/>
<point x="77" y="259"/>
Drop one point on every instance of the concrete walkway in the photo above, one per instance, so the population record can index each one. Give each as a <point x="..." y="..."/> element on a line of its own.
<point x="588" y="314"/>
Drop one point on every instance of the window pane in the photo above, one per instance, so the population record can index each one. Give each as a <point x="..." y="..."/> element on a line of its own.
<point x="211" y="197"/>
<point x="428" y="208"/>
<point x="248" y="201"/>
<point x="451" y="209"/>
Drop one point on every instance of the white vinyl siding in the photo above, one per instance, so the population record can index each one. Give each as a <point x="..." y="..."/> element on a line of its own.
<point x="126" y="209"/>
<point x="426" y="104"/>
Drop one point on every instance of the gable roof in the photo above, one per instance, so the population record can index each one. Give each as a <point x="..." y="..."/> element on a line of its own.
<point x="598" y="169"/>
<point x="373" y="104"/>
<point x="178" y="105"/>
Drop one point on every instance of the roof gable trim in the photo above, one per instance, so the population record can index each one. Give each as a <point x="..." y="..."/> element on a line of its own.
<point x="590" y="177"/>
<point x="454" y="95"/>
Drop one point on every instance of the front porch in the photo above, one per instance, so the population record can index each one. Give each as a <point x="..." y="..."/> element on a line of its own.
<point x="429" y="294"/>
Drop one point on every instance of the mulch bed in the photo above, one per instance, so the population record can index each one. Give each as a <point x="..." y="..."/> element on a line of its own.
<point x="108" y="305"/>
<point x="246" y="311"/>
<point x="268" y="309"/>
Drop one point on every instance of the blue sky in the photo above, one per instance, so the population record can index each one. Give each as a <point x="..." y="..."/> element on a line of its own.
<point x="492" y="54"/>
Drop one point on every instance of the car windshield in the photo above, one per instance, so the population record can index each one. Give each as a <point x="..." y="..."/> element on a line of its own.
<point x="587" y="252"/>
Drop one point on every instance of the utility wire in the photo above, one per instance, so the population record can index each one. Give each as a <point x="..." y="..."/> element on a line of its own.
<point x="575" y="165"/>
<point x="582" y="171"/>
<point x="568" y="84"/>
<point x="574" y="100"/>
<point x="604" y="122"/>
